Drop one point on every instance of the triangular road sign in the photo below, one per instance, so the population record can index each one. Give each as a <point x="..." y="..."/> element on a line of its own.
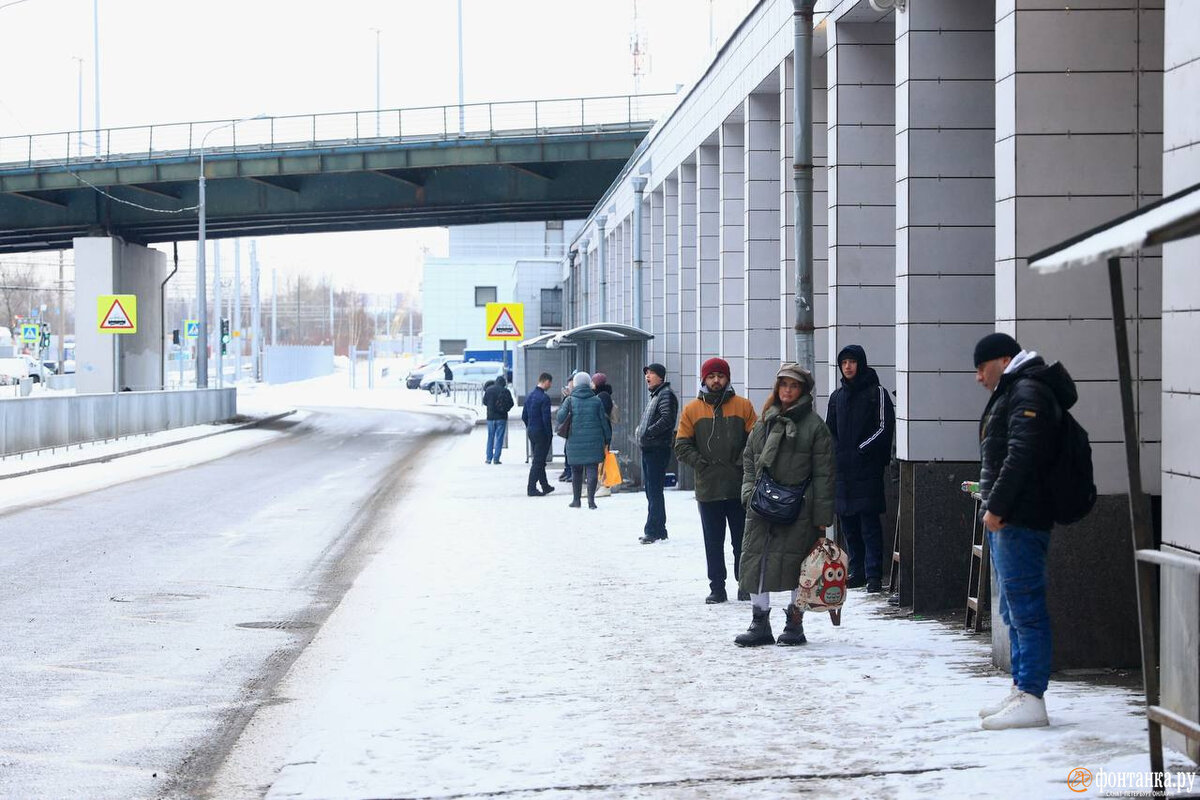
<point x="116" y="318"/>
<point x="504" y="325"/>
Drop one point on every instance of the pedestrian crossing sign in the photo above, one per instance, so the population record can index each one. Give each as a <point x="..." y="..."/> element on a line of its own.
<point x="505" y="321"/>
<point x="191" y="328"/>
<point x="29" y="333"/>
<point x="116" y="313"/>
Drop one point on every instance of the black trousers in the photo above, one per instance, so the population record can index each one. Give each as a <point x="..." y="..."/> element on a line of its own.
<point x="714" y="514"/>
<point x="540" y="442"/>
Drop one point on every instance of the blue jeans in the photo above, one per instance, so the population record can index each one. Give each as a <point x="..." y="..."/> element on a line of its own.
<point x="864" y="540"/>
<point x="1019" y="556"/>
<point x="654" y="469"/>
<point x="496" y="430"/>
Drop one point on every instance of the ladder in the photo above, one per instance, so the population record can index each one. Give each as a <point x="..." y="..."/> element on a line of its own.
<point x="978" y="575"/>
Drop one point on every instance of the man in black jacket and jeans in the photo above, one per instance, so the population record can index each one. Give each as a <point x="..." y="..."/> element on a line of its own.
<point x="1018" y="443"/>
<point x="863" y="422"/>
<point x="656" y="436"/>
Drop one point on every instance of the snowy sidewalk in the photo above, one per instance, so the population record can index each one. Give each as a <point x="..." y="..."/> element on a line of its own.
<point x="501" y="645"/>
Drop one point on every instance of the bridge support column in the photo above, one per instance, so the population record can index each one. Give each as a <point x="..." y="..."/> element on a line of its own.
<point x="108" y="265"/>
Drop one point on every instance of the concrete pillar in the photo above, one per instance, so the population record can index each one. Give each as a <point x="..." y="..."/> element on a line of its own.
<point x="732" y="254"/>
<point x="944" y="143"/>
<point x="688" y="275"/>
<point x="1180" y="640"/>
<point x="657" y="263"/>
<point x="862" y="196"/>
<point x="1078" y="122"/>
<point x="107" y="265"/>
<point x="708" y="250"/>
<point x="671" y="275"/>
<point x="602" y="269"/>
<point x="760" y="238"/>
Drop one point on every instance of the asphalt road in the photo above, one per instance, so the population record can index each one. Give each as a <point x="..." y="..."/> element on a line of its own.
<point x="144" y="623"/>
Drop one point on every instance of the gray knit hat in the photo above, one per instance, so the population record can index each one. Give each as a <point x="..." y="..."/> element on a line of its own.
<point x="581" y="379"/>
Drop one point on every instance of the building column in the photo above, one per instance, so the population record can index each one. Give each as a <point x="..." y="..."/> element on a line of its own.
<point x="732" y="256"/>
<point x="689" y="356"/>
<point x="658" y="345"/>
<point x="671" y="275"/>
<point x="760" y="237"/>
<point x="708" y="250"/>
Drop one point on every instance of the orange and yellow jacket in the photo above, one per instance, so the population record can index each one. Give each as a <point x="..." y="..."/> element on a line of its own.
<point x="712" y="433"/>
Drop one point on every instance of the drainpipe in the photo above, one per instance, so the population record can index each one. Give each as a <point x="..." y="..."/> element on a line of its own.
<point x="584" y="285"/>
<point x="639" y="186"/>
<point x="601" y="221"/>
<point x="802" y="180"/>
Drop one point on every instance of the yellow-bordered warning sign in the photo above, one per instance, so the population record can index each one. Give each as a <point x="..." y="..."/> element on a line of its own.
<point x="505" y="321"/>
<point x="116" y="313"/>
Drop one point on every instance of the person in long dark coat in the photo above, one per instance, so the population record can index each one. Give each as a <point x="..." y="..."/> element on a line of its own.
<point x="792" y="442"/>
<point x="590" y="433"/>
<point x="863" y="422"/>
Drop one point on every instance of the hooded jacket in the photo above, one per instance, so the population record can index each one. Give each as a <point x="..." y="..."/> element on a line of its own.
<point x="794" y="445"/>
<point x="498" y="400"/>
<point x="712" y="434"/>
<point x="1018" y="440"/>
<point x="863" y="421"/>
<point x="590" y="429"/>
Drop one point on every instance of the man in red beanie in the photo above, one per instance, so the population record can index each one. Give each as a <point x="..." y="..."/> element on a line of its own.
<point x="713" y="430"/>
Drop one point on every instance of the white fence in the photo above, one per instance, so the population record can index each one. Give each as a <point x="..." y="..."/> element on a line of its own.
<point x="38" y="423"/>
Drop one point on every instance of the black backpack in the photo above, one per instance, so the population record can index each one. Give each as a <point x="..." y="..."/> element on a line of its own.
<point x="1072" y="481"/>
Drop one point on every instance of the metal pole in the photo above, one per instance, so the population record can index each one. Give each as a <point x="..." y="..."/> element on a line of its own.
<point x="639" y="186"/>
<point x="377" y="106"/>
<point x="461" y="123"/>
<point x="1139" y="516"/>
<point x="584" y="281"/>
<point x="802" y="181"/>
<point x="201" y="289"/>
<point x="255" y="314"/>
<point x="79" y="129"/>
<point x="217" y="310"/>
<point x="96" y="66"/>
<point x="274" y="309"/>
<point x="331" y="339"/>
<point x="601" y="221"/>
<point x="235" y="324"/>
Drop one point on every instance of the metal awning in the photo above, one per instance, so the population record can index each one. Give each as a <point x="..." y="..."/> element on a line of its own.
<point x="1174" y="217"/>
<point x="592" y="332"/>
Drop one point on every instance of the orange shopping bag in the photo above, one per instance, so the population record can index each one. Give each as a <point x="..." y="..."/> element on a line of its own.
<point x="612" y="472"/>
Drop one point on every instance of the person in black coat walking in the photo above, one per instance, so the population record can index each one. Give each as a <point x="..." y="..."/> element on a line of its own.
<point x="536" y="416"/>
<point x="863" y="421"/>
<point x="498" y="401"/>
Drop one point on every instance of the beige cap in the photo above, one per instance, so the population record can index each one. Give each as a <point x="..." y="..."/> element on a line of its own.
<point x="790" y="369"/>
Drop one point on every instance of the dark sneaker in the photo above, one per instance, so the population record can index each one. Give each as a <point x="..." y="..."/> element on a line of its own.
<point x="716" y="596"/>
<point x="547" y="489"/>
<point x="534" y="493"/>
<point x="648" y="539"/>
<point x="855" y="582"/>
<point x="743" y="595"/>
<point x="874" y="586"/>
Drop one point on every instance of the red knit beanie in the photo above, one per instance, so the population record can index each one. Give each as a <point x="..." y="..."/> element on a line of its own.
<point x="714" y="365"/>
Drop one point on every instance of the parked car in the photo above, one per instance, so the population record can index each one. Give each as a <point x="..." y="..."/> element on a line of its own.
<point x="417" y="374"/>
<point x="13" y="368"/>
<point x="474" y="373"/>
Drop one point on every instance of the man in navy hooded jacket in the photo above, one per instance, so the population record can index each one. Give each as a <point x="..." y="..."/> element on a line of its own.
<point x="862" y="421"/>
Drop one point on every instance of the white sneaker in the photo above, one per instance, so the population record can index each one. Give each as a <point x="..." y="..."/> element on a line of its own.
<point x="603" y="491"/>
<point x="996" y="708"/>
<point x="1023" y="711"/>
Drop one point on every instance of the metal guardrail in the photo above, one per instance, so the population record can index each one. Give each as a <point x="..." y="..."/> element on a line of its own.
<point x="350" y="128"/>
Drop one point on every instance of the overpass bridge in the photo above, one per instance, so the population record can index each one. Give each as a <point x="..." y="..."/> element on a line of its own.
<point x="318" y="173"/>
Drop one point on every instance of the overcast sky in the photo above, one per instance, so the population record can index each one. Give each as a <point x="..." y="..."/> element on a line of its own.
<point x="173" y="61"/>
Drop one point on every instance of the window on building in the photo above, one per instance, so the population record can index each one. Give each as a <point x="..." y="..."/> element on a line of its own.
<point x="484" y="295"/>
<point x="452" y="347"/>
<point x="552" y="309"/>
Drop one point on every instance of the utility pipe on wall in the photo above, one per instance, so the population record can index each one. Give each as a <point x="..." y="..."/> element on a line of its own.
<point x="802" y="180"/>
<point x="639" y="186"/>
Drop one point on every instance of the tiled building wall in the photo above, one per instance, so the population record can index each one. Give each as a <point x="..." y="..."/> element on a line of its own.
<point x="708" y="248"/>
<point x="732" y="254"/>
<point x="688" y="275"/>
<point x="760" y="241"/>
<point x="670" y="306"/>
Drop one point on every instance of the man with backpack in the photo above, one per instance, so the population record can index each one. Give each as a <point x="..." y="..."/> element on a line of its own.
<point x="1021" y="445"/>
<point x="498" y="401"/>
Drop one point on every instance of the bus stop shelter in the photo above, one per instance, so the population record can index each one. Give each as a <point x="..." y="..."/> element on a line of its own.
<point x="619" y="351"/>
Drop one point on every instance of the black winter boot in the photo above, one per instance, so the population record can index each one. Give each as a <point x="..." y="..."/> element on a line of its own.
<point x="759" y="632"/>
<point x="793" y="631"/>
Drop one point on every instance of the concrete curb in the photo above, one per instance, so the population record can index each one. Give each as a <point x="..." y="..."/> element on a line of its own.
<point x="148" y="448"/>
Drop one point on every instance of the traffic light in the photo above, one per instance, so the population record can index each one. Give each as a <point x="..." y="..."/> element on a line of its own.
<point x="175" y="337"/>
<point x="45" y="337"/>
<point x="224" y="335"/>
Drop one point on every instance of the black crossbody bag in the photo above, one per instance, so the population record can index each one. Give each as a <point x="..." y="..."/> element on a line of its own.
<point x="776" y="502"/>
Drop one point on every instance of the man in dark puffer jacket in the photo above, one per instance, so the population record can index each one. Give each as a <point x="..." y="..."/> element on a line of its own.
<point x="863" y="421"/>
<point x="1018" y="441"/>
<point x="656" y="435"/>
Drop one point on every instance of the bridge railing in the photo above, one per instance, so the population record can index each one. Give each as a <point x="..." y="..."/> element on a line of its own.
<point x="339" y="129"/>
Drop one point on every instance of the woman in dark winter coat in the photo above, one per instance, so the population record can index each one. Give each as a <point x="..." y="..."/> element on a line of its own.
<point x="793" y="443"/>
<point x="590" y="434"/>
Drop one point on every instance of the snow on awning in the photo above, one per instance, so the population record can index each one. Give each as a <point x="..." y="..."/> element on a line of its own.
<point x="1174" y="217"/>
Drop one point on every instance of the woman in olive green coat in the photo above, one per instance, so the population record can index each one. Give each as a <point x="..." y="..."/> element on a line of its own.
<point x="794" y="444"/>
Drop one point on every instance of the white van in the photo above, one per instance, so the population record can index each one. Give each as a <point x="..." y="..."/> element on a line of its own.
<point x="475" y="373"/>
